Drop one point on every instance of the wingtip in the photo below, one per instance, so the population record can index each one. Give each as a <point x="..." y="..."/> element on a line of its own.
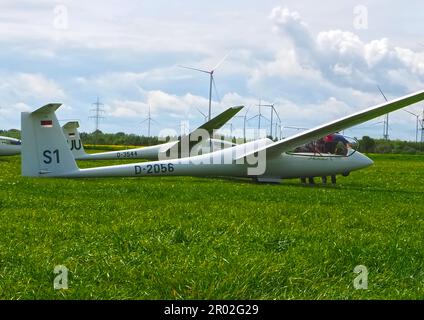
<point x="238" y="108"/>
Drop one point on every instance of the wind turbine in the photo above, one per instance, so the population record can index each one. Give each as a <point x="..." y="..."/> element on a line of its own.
<point x="204" y="115"/>
<point x="211" y="79"/>
<point x="271" y="106"/>
<point x="259" y="116"/>
<point x="278" y="125"/>
<point x="386" y="121"/>
<point x="244" y="123"/>
<point x="419" y="123"/>
<point x="417" y="116"/>
<point x="422" y="128"/>
<point x="149" y="119"/>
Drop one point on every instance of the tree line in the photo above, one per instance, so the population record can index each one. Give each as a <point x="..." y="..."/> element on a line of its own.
<point x="370" y="145"/>
<point x="366" y="143"/>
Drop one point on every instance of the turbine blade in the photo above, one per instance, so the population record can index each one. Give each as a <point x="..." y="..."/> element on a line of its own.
<point x="382" y="93"/>
<point x="276" y="113"/>
<point x="416" y="115"/>
<point x="222" y="60"/>
<point x="247" y="110"/>
<point x="215" y="89"/>
<point x="195" y="69"/>
<point x="201" y="112"/>
<point x="252" y="117"/>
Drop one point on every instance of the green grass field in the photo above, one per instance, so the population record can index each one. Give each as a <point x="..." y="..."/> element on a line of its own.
<point x="194" y="238"/>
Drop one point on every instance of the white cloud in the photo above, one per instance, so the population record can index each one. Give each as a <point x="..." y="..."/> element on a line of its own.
<point x="314" y="68"/>
<point x="159" y="102"/>
<point x="336" y="60"/>
<point x="185" y="106"/>
<point x="127" y="109"/>
<point x="342" y="57"/>
<point x="25" y="92"/>
<point x="36" y="85"/>
<point x="26" y="86"/>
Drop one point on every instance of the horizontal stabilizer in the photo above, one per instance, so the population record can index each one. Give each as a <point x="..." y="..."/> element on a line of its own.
<point x="47" y="109"/>
<point x="71" y="125"/>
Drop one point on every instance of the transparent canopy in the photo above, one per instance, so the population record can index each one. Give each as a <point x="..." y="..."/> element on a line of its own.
<point x="10" y="141"/>
<point x="334" y="144"/>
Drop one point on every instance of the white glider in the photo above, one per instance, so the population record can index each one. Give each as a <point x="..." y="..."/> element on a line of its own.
<point x="9" y="146"/>
<point x="70" y="129"/>
<point x="45" y="152"/>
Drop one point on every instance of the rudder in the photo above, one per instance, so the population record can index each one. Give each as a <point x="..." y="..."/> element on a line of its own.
<point x="44" y="148"/>
<point x="70" y="129"/>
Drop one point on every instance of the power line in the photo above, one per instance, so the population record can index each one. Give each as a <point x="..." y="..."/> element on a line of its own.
<point x="98" y="115"/>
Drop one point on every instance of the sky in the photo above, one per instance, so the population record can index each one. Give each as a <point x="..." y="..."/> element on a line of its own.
<point x="315" y="61"/>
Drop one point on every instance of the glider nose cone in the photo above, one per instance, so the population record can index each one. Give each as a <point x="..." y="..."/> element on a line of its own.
<point x="365" y="161"/>
<point x="359" y="161"/>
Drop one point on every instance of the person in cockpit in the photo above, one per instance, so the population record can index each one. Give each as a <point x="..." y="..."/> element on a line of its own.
<point x="336" y="144"/>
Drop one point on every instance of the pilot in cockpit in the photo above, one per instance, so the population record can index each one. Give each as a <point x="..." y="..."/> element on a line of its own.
<point x="336" y="144"/>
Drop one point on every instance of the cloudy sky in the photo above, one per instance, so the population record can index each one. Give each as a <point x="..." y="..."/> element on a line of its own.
<point x="316" y="62"/>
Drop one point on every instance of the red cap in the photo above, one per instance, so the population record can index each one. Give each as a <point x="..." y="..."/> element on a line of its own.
<point x="329" y="138"/>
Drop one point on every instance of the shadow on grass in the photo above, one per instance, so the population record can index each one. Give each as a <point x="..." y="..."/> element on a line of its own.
<point x="292" y="183"/>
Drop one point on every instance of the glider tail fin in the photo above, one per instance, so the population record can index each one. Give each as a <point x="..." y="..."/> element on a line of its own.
<point x="44" y="148"/>
<point x="70" y="129"/>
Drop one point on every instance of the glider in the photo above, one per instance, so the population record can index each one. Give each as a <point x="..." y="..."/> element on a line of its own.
<point x="45" y="152"/>
<point x="70" y="129"/>
<point x="9" y="146"/>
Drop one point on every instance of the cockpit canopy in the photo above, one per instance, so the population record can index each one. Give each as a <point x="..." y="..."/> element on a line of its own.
<point x="333" y="144"/>
<point x="10" y="141"/>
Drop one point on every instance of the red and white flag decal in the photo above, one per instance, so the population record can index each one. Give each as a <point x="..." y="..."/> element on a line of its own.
<point x="46" y="123"/>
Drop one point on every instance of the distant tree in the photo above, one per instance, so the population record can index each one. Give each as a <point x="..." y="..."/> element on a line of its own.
<point x="384" y="148"/>
<point x="367" y="144"/>
<point x="13" y="133"/>
<point x="409" y="150"/>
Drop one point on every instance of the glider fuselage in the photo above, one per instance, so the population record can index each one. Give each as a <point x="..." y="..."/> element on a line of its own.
<point x="285" y="166"/>
<point x="9" y="146"/>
